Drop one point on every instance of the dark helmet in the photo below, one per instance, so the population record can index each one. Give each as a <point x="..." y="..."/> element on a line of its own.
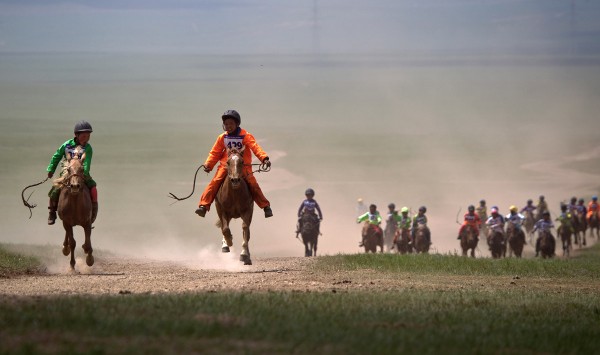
<point x="82" y="126"/>
<point x="391" y="206"/>
<point x="372" y="206"/>
<point x="232" y="114"/>
<point x="563" y="207"/>
<point x="482" y="202"/>
<point x="423" y="209"/>
<point x="573" y="199"/>
<point x="529" y="202"/>
<point x="541" y="197"/>
<point x="581" y="200"/>
<point x="309" y="191"/>
<point x="546" y="213"/>
<point x="471" y="208"/>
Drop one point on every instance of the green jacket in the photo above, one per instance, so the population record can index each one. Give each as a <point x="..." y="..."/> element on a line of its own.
<point x="67" y="148"/>
<point x="372" y="218"/>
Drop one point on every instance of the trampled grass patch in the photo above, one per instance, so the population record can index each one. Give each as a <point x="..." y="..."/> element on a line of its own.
<point x="17" y="264"/>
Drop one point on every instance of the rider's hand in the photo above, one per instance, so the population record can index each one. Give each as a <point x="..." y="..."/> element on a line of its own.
<point x="267" y="162"/>
<point x="207" y="169"/>
<point x="50" y="174"/>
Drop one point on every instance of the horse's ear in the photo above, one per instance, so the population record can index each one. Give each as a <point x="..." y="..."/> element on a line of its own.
<point x="82" y="157"/>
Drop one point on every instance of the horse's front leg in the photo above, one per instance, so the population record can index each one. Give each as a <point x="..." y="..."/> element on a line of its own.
<point x="245" y="254"/>
<point x="227" y="236"/>
<point x="87" y="245"/>
<point x="71" y="242"/>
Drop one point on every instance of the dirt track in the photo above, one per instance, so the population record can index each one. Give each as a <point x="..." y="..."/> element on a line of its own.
<point x="119" y="275"/>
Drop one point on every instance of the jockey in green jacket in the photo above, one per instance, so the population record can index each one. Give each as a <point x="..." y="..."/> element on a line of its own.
<point x="82" y="132"/>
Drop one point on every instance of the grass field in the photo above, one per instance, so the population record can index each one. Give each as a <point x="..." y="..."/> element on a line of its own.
<point x="465" y="319"/>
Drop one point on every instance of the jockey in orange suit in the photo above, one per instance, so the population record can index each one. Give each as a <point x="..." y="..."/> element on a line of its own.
<point x="234" y="137"/>
<point x="470" y="219"/>
<point x="592" y="208"/>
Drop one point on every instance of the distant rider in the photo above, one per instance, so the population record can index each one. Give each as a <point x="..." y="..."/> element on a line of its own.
<point x="309" y="206"/>
<point x="543" y="225"/>
<point x="470" y="219"/>
<point x="373" y="217"/>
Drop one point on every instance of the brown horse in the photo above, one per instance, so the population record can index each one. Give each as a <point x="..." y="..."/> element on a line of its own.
<point x="421" y="243"/>
<point x="593" y="224"/>
<point x="468" y="240"/>
<point x="565" y="237"/>
<point x="516" y="239"/>
<point x="372" y="237"/>
<point x="233" y="200"/>
<point x="547" y="244"/>
<point x="528" y="224"/>
<point x="497" y="244"/>
<point x="402" y="241"/>
<point x="75" y="206"/>
<point x="582" y="226"/>
<point x="310" y="233"/>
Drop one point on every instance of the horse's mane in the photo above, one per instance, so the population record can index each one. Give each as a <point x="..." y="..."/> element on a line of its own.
<point x="65" y="166"/>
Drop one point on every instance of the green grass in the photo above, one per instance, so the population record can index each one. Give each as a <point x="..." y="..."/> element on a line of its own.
<point x="586" y="265"/>
<point x="424" y="321"/>
<point x="12" y="264"/>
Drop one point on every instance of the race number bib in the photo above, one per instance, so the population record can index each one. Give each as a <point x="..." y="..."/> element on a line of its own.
<point x="234" y="142"/>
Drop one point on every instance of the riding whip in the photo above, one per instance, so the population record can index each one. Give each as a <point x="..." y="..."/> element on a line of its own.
<point x="26" y="201"/>
<point x="457" y="214"/>
<point x="193" y="187"/>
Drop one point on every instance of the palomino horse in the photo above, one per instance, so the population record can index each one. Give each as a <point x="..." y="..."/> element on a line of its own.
<point x="75" y="206"/>
<point x="389" y="233"/>
<point x="372" y="237"/>
<point x="516" y="240"/>
<point x="593" y="224"/>
<point x="421" y="244"/>
<point x="565" y="237"/>
<point x="547" y="244"/>
<point x="310" y="233"/>
<point x="497" y="244"/>
<point x="233" y="200"/>
<point x="528" y="224"/>
<point x="468" y="240"/>
<point x="402" y="241"/>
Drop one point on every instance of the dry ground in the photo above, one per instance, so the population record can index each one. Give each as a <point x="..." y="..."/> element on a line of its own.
<point x="120" y="275"/>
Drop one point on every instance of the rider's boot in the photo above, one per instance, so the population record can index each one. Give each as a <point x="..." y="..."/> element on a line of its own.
<point x="94" y="211"/>
<point x="458" y="237"/>
<point x="268" y="212"/>
<point x="201" y="211"/>
<point x="52" y="207"/>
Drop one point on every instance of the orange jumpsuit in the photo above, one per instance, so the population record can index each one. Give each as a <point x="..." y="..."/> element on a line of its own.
<point x="592" y="208"/>
<point x="470" y="220"/>
<point x="218" y="153"/>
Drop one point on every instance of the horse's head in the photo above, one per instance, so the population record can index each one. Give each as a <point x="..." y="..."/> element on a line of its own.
<point x="235" y="166"/>
<point x="74" y="171"/>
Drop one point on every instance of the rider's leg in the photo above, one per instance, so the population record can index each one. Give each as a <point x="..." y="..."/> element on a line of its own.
<point x="53" y="195"/>
<point x="210" y="192"/>
<point x="258" y="195"/>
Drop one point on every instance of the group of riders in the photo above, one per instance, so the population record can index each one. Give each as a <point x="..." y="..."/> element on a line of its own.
<point x="397" y="222"/>
<point x="495" y="222"/>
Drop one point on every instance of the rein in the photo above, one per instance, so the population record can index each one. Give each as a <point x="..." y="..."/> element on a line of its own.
<point x="26" y="201"/>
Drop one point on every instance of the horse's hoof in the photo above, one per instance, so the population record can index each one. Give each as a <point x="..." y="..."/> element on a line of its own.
<point x="86" y="249"/>
<point x="246" y="259"/>
<point x="225" y="249"/>
<point x="89" y="260"/>
<point x="66" y="250"/>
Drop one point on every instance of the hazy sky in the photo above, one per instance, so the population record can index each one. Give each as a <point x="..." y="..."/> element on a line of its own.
<point x="424" y="27"/>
